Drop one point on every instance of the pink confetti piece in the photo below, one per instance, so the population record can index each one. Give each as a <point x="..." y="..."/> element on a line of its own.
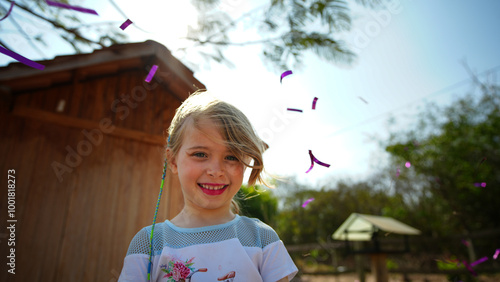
<point x="480" y="184"/>
<point x="288" y="72"/>
<point x="10" y="10"/>
<point x="362" y="99"/>
<point x="295" y="110"/>
<point x="314" y="160"/>
<point x="497" y="252"/>
<point x="21" y="59"/>
<point x="469" y="268"/>
<point x="408" y="164"/>
<point x="397" y="172"/>
<point x="307" y="202"/>
<point x="314" y="102"/>
<point x="481" y="260"/>
<point x="125" y="24"/>
<point x="70" y="7"/>
<point x="151" y="73"/>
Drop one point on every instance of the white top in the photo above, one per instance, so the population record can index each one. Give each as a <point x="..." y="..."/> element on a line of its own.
<point x="244" y="249"/>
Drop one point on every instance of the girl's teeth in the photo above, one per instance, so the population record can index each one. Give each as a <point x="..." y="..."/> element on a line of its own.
<point x="212" y="187"/>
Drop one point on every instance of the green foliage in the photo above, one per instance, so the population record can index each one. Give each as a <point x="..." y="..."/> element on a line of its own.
<point x="258" y="203"/>
<point x="391" y="265"/>
<point x="329" y="209"/>
<point x="462" y="147"/>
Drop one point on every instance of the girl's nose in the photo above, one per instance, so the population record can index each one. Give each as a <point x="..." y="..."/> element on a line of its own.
<point x="215" y="169"/>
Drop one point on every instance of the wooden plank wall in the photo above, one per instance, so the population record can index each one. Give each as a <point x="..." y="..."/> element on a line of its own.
<point x="79" y="229"/>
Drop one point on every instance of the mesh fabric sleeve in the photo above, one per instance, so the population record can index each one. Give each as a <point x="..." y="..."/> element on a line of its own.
<point x="135" y="264"/>
<point x="276" y="262"/>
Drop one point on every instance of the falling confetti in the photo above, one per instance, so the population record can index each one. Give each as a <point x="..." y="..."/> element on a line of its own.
<point x="397" y="172"/>
<point x="314" y="160"/>
<point x="125" y="24"/>
<point x="481" y="260"/>
<point x="497" y="252"/>
<point x="10" y="10"/>
<point x="76" y="8"/>
<point x="307" y="202"/>
<point x="21" y="59"/>
<point x="151" y="73"/>
<point x="295" y="110"/>
<point x="314" y="102"/>
<point x="480" y="184"/>
<point x="408" y="164"/>
<point x="288" y="72"/>
<point x="465" y="243"/>
<point x="469" y="268"/>
<point x="362" y="99"/>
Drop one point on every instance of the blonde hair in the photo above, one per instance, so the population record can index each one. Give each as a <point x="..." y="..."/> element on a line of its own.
<point x="237" y="131"/>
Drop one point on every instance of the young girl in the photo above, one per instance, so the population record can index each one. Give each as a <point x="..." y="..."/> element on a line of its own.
<point x="211" y="143"/>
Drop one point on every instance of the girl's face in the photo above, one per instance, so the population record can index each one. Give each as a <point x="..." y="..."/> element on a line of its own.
<point x="209" y="174"/>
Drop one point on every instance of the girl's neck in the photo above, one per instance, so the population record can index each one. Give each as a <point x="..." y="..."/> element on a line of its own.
<point x="192" y="218"/>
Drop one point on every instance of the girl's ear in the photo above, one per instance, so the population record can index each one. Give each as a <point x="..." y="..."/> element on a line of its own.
<point x="171" y="161"/>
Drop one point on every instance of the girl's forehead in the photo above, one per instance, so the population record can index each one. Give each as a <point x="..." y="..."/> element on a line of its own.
<point x="204" y="133"/>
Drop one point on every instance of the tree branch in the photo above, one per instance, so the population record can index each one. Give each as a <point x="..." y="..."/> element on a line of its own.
<point x="57" y="25"/>
<point x="226" y="43"/>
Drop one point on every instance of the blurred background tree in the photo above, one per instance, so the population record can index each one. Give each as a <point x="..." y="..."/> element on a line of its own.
<point x="288" y="29"/>
<point x="455" y="159"/>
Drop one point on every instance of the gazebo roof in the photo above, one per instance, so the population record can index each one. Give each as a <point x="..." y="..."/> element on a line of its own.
<point x="360" y="227"/>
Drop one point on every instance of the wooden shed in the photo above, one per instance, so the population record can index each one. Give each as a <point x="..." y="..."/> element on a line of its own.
<point x="84" y="139"/>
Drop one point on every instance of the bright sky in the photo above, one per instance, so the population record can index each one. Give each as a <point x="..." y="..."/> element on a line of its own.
<point x="405" y="57"/>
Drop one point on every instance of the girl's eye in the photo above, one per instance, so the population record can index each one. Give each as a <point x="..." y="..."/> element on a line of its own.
<point x="200" y="155"/>
<point x="232" y="158"/>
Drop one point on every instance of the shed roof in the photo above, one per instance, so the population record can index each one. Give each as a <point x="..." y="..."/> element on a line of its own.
<point x="360" y="227"/>
<point x="109" y="60"/>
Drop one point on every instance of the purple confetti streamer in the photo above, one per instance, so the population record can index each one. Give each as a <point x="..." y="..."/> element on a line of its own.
<point x="480" y="184"/>
<point x="21" y="59"/>
<point x="314" y="160"/>
<point x="469" y="268"/>
<point x="307" y="202"/>
<point x="295" y="110"/>
<point x="497" y="252"/>
<point x="314" y="102"/>
<point x="10" y="10"/>
<point x="288" y="72"/>
<point x="481" y="260"/>
<point x="125" y="24"/>
<point x="76" y="8"/>
<point x="397" y="173"/>
<point x="151" y="73"/>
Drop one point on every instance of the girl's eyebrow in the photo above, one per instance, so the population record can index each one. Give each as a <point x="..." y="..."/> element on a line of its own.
<point x="198" y="147"/>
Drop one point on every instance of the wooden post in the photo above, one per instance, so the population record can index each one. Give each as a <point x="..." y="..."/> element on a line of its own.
<point x="379" y="267"/>
<point x="359" y="260"/>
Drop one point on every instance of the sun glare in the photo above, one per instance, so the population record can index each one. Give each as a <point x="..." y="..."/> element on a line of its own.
<point x="163" y="21"/>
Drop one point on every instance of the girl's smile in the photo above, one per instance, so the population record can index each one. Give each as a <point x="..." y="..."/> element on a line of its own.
<point x="212" y="189"/>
